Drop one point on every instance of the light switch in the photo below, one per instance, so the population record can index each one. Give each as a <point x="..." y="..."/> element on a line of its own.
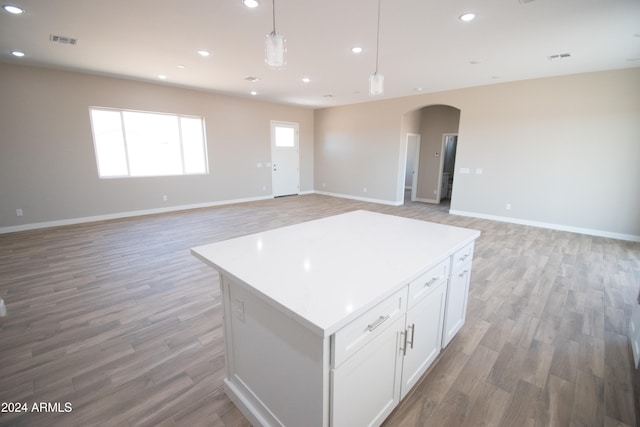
<point x="258" y="165"/>
<point x="464" y="171"/>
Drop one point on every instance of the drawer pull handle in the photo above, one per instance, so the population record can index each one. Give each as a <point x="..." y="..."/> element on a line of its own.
<point x="461" y="275"/>
<point x="432" y="281"/>
<point x="377" y="323"/>
<point x="413" y="331"/>
<point x="404" y="349"/>
<point x="464" y="257"/>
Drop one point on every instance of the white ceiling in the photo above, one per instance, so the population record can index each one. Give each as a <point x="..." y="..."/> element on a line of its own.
<point x="423" y="44"/>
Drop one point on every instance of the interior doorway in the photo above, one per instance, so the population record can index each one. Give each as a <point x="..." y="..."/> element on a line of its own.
<point x="447" y="165"/>
<point x="431" y="123"/>
<point x="411" y="166"/>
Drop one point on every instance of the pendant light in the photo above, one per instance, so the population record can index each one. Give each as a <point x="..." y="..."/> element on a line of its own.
<point x="376" y="80"/>
<point x="274" y="48"/>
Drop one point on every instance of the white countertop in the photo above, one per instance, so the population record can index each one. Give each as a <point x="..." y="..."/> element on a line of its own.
<point x="325" y="273"/>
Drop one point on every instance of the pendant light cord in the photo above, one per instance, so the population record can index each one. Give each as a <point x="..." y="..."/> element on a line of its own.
<point x="274" y="16"/>
<point x="377" y="37"/>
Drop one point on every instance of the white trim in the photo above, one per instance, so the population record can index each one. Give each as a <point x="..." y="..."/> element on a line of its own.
<point x="434" y="201"/>
<point x="362" y="199"/>
<point x="58" y="223"/>
<point x="560" y="227"/>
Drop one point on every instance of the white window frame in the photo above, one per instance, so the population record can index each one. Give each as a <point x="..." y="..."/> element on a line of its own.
<point x="124" y="138"/>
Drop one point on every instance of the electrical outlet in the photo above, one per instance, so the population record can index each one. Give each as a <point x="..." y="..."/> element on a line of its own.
<point x="508" y="206"/>
<point x="237" y="308"/>
<point x="365" y="189"/>
<point x="19" y="212"/>
<point x="164" y="198"/>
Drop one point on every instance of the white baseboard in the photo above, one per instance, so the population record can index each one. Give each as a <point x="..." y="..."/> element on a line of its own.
<point x="71" y="221"/>
<point x="362" y="199"/>
<point x="559" y="227"/>
<point x="432" y="201"/>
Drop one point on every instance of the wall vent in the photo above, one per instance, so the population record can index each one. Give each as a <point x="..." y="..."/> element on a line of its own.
<point x="559" y="56"/>
<point x="63" y="39"/>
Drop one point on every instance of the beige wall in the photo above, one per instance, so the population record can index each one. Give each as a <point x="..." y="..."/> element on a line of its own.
<point x="47" y="160"/>
<point x="563" y="151"/>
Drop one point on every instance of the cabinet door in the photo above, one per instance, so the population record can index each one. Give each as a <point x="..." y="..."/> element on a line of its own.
<point x="366" y="387"/>
<point x="424" y="336"/>
<point x="456" y="308"/>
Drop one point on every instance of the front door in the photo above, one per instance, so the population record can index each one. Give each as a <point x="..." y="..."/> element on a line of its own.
<point x="285" y="156"/>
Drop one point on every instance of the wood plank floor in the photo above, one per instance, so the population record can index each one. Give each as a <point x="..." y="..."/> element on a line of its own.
<point x="118" y="319"/>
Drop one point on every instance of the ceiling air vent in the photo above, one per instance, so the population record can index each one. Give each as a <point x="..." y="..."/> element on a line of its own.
<point x="559" y="56"/>
<point x="63" y="39"/>
<point x="525" y="1"/>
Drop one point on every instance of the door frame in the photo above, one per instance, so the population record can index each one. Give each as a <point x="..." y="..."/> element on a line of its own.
<point x="416" y="164"/>
<point x="272" y="126"/>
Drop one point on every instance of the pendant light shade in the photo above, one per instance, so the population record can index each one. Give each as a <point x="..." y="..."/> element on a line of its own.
<point x="376" y="84"/>
<point x="274" y="47"/>
<point x="376" y="80"/>
<point x="274" y="50"/>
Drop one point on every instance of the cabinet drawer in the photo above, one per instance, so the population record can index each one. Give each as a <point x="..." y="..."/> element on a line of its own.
<point x="348" y="340"/>
<point x="462" y="257"/>
<point x="428" y="281"/>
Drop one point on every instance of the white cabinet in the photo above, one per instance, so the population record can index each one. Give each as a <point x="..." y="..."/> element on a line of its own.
<point x="330" y="323"/>
<point x="389" y="358"/>
<point x="457" y="293"/>
<point x="423" y="336"/>
<point x="366" y="387"/>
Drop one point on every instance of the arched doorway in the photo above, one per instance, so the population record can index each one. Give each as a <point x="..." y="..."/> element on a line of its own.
<point x="437" y="127"/>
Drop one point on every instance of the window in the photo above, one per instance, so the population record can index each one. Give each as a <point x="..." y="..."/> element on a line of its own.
<point x="134" y="143"/>
<point x="285" y="136"/>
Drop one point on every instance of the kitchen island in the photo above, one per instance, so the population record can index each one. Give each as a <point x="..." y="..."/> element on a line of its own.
<point x="331" y="322"/>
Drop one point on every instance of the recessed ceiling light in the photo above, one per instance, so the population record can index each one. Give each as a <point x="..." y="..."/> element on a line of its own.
<point x="17" y="53"/>
<point x="204" y="53"/>
<point x="13" y="9"/>
<point x="162" y="76"/>
<point x="466" y="17"/>
<point x="180" y="66"/>
<point x="306" y="79"/>
<point x="252" y="79"/>
<point x="250" y="3"/>
<point x="418" y="89"/>
<point x="253" y="93"/>
<point x="356" y="49"/>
